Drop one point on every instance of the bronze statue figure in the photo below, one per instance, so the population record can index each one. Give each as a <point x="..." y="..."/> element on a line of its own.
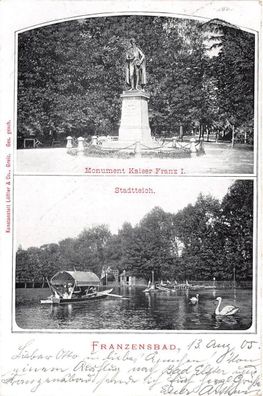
<point x="135" y="67"/>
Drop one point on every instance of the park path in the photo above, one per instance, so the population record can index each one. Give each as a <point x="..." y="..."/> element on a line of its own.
<point x="219" y="159"/>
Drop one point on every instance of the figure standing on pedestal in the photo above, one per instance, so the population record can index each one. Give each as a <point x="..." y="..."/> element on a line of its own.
<point x="135" y="67"/>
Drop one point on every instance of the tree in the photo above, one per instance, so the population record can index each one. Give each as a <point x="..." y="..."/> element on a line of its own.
<point x="232" y="67"/>
<point x="237" y="220"/>
<point x="113" y="252"/>
<point x="196" y="227"/>
<point x="150" y="246"/>
<point x="22" y="260"/>
<point x="129" y="247"/>
<point x="89" y="249"/>
<point x="71" y="74"/>
<point x="68" y="256"/>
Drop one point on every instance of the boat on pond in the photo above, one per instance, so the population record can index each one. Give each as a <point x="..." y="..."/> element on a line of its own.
<point x="151" y="289"/>
<point x="156" y="288"/>
<point x="70" y="287"/>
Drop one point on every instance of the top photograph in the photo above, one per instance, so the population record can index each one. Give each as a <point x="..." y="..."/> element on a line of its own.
<point x="136" y="95"/>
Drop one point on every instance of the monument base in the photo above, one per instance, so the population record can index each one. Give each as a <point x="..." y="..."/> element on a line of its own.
<point x="126" y="145"/>
<point x="134" y="126"/>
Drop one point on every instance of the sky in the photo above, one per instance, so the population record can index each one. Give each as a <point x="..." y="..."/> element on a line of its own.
<point x="49" y="209"/>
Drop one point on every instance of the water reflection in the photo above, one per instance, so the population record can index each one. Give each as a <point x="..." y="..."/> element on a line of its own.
<point x="229" y="322"/>
<point x="141" y="311"/>
<point x="235" y="294"/>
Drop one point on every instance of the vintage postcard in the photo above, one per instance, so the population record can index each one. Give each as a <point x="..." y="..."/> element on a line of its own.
<point x="131" y="195"/>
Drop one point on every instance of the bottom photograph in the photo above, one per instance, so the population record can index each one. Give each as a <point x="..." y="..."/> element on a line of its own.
<point x="122" y="253"/>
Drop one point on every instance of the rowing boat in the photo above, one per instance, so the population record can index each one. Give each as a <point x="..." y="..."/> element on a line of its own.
<point x="74" y="299"/>
<point x="70" y="287"/>
<point x="154" y="289"/>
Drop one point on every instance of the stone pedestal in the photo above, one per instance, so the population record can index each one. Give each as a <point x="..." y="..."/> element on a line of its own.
<point x="94" y="140"/>
<point x="193" y="148"/>
<point x="134" y="126"/>
<point x="80" y="146"/>
<point x="69" y="143"/>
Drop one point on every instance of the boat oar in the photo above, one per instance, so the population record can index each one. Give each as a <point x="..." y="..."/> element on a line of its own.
<point x="117" y="295"/>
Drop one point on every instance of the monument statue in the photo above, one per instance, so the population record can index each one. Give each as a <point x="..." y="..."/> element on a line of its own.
<point x="135" y="67"/>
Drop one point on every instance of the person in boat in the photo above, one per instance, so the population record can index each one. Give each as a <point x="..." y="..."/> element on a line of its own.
<point x="91" y="290"/>
<point x="65" y="292"/>
<point x="70" y="289"/>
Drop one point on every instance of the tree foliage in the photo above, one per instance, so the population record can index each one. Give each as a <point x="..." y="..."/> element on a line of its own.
<point x="71" y="75"/>
<point x="233" y="71"/>
<point x="237" y="223"/>
<point x="196" y="226"/>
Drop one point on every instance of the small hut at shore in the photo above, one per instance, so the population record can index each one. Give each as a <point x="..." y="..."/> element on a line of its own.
<point x="127" y="279"/>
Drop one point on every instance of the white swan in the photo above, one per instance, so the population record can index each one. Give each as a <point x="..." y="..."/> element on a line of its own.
<point x="194" y="300"/>
<point x="227" y="310"/>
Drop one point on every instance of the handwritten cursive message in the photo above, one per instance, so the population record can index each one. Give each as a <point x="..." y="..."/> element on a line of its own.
<point x="201" y="368"/>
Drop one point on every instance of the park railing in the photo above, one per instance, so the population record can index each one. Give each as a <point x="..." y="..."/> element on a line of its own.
<point x="223" y="284"/>
<point x="78" y="146"/>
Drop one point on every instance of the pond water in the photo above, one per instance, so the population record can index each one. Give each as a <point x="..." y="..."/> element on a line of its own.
<point x="137" y="311"/>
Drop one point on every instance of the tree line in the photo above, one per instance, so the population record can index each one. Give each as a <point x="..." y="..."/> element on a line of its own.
<point x="71" y="75"/>
<point x="206" y="240"/>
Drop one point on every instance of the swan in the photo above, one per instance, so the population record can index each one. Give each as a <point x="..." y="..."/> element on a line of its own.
<point x="227" y="310"/>
<point x="194" y="300"/>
